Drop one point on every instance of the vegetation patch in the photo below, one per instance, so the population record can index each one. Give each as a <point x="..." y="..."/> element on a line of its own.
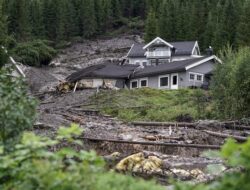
<point x="154" y="105"/>
<point x="35" y="53"/>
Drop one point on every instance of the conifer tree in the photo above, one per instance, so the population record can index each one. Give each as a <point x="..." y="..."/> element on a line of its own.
<point x="151" y="26"/>
<point x="88" y="18"/>
<point x="18" y="22"/>
<point x="36" y="18"/>
<point x="243" y="31"/>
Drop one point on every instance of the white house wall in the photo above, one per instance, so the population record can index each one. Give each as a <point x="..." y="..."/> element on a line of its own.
<point x="133" y="61"/>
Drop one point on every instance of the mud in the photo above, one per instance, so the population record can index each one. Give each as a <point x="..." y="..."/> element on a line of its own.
<point x="57" y="109"/>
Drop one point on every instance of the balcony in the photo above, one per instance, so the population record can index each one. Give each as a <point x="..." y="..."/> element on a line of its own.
<point x="158" y="54"/>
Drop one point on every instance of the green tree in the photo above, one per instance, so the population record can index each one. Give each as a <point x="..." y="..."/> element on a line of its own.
<point x="18" y="21"/>
<point x="88" y="19"/>
<point x="243" y="31"/>
<point x="151" y="26"/>
<point x="231" y="83"/>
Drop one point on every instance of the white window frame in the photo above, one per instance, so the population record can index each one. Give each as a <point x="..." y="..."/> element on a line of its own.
<point x="177" y="75"/>
<point x="195" y="77"/>
<point x="159" y="81"/>
<point x="132" y="82"/>
<point x="146" y="79"/>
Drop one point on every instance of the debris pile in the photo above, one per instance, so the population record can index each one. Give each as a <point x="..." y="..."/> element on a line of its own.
<point x="140" y="163"/>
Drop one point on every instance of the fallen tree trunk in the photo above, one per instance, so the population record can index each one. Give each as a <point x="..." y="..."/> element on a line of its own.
<point x="200" y="146"/>
<point x="238" y="138"/>
<point x="140" y="123"/>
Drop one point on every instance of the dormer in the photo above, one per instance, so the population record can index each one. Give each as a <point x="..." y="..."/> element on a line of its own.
<point x="158" y="49"/>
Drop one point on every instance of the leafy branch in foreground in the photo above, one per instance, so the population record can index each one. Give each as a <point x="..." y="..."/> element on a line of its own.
<point x="237" y="156"/>
<point x="17" y="110"/>
<point x="32" y="166"/>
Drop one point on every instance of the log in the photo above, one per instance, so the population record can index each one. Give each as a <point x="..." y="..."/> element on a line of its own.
<point x="238" y="127"/>
<point x="238" y="138"/>
<point x="141" y="123"/>
<point x="199" y="146"/>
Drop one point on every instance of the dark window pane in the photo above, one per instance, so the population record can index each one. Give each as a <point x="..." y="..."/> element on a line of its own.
<point x="164" y="81"/>
<point x="199" y="77"/>
<point x="191" y="76"/>
<point x="143" y="83"/>
<point x="134" y="84"/>
<point x="174" y="80"/>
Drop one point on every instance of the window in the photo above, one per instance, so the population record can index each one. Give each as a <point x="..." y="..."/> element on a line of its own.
<point x="199" y="77"/>
<point x="144" y="82"/>
<point x="191" y="76"/>
<point x="196" y="77"/>
<point x="164" y="81"/>
<point x="134" y="84"/>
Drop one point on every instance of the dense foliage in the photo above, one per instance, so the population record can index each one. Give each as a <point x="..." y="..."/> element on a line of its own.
<point x="17" y="110"/>
<point x="34" y="53"/>
<point x="231" y="85"/>
<point x="32" y="166"/>
<point x="237" y="156"/>
<point x="212" y="22"/>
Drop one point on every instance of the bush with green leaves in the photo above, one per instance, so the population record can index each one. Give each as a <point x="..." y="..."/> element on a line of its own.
<point x="35" y="53"/>
<point x="17" y="110"/>
<point x="231" y="85"/>
<point x="32" y="166"/>
<point x="236" y="156"/>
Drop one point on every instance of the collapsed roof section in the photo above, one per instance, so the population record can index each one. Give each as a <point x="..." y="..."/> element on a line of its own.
<point x="128" y="71"/>
<point x="104" y="71"/>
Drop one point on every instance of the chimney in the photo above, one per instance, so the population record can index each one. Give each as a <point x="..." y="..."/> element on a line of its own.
<point x="209" y="51"/>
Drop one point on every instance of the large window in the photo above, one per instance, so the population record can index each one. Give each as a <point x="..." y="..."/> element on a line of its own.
<point x="164" y="81"/>
<point x="144" y="82"/>
<point x="197" y="77"/>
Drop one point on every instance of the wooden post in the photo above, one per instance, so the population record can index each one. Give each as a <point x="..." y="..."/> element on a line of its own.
<point x="19" y="70"/>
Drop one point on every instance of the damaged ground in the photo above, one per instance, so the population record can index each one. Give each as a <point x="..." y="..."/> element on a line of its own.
<point x="149" y="150"/>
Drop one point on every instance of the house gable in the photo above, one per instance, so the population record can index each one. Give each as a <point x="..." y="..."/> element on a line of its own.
<point x="158" y="41"/>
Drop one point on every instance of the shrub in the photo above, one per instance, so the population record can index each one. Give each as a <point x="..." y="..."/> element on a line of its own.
<point x="17" y="110"/>
<point x="34" y="53"/>
<point x="231" y="85"/>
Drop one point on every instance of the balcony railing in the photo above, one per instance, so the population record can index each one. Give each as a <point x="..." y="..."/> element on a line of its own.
<point x="158" y="54"/>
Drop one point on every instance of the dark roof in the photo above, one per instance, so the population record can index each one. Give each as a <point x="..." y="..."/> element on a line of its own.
<point x="117" y="71"/>
<point x="181" y="48"/>
<point x="137" y="51"/>
<point x="105" y="70"/>
<point x="175" y="66"/>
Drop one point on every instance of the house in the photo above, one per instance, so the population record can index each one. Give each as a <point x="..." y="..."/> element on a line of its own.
<point x="158" y="64"/>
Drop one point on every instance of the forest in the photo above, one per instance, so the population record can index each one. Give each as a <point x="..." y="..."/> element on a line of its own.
<point x="34" y="31"/>
<point x="211" y="22"/>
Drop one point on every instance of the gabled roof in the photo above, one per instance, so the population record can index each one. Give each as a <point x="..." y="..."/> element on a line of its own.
<point x="136" y="51"/>
<point x="158" y="40"/>
<point x="184" y="48"/>
<point x="181" y="49"/>
<point x="172" y="67"/>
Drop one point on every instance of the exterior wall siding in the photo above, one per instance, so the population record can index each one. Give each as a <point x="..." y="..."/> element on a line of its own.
<point x="201" y="69"/>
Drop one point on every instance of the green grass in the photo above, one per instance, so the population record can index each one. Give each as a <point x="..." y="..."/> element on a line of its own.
<point x="153" y="105"/>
